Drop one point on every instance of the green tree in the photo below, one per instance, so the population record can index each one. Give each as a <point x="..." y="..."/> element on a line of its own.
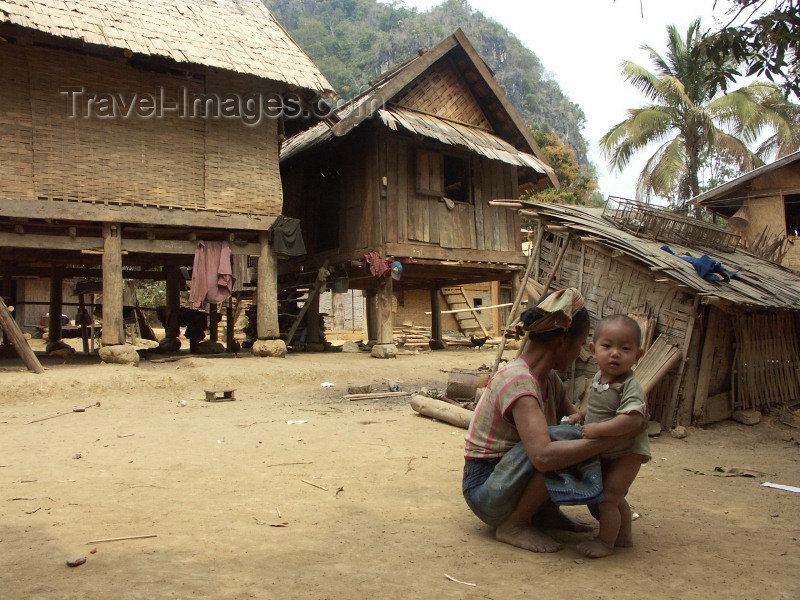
<point x="692" y="120"/>
<point x="767" y="42"/>
<point x="578" y="183"/>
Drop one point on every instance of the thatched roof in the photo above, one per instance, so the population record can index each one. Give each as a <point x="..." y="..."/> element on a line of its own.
<point x="503" y="137"/>
<point x="758" y="283"/>
<point x="240" y="36"/>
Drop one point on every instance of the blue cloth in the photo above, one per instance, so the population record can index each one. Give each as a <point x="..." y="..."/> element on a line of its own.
<point x="578" y="484"/>
<point x="708" y="268"/>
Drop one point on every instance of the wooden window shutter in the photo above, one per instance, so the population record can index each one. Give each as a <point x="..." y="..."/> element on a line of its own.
<point x="430" y="173"/>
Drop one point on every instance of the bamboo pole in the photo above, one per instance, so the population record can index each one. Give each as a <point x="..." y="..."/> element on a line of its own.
<point x="512" y="314"/>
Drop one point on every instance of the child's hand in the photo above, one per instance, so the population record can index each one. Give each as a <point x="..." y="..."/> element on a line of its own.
<point x="590" y="431"/>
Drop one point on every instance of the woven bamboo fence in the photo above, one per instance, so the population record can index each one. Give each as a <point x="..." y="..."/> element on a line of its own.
<point x="767" y="360"/>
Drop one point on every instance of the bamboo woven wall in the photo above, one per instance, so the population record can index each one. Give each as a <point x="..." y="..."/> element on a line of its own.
<point x="172" y="161"/>
<point x="766" y="361"/>
<point x="441" y="91"/>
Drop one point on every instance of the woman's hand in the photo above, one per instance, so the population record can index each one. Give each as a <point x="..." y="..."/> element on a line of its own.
<point x="575" y="418"/>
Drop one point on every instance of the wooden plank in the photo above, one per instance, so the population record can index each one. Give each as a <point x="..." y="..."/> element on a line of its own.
<point x="403" y="178"/>
<point x="457" y="254"/>
<point x="17" y="339"/>
<point x="477" y="198"/>
<point x="129" y="214"/>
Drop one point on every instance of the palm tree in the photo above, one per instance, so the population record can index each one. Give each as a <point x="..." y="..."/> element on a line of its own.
<point x="692" y="120"/>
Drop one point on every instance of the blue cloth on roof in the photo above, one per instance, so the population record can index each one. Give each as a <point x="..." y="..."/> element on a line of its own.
<point x="708" y="268"/>
<point x="578" y="484"/>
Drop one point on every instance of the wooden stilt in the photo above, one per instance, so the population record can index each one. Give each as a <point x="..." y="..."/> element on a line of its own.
<point x="267" y="292"/>
<point x="56" y="306"/>
<point x="436" y="315"/>
<point x="385" y="317"/>
<point x="113" y="326"/>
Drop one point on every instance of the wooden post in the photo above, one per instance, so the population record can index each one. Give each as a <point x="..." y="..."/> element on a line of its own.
<point x="385" y="318"/>
<point x="172" y="327"/>
<point x="371" y="300"/>
<point x="213" y="322"/>
<point x="436" y="314"/>
<point x="313" y="321"/>
<point x="56" y="306"/>
<point x="84" y="325"/>
<point x="715" y="321"/>
<point x="12" y="331"/>
<point x="495" y="300"/>
<point x="113" y="325"/>
<point x="267" y="327"/>
<point x="230" y="325"/>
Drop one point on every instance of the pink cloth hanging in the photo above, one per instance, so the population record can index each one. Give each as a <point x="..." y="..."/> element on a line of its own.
<point x="212" y="276"/>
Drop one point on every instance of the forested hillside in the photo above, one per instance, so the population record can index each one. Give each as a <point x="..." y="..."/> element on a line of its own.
<point x="353" y="41"/>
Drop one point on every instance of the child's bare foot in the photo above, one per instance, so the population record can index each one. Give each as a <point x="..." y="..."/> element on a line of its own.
<point x="624" y="541"/>
<point x="595" y="548"/>
<point x="550" y="515"/>
<point x="526" y="537"/>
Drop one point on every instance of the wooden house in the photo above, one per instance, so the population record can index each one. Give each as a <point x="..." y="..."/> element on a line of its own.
<point x="134" y="130"/>
<point x="737" y="339"/>
<point x="405" y="173"/>
<point x="763" y="206"/>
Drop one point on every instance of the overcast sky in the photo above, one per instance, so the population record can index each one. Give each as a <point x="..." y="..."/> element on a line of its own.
<point x="581" y="43"/>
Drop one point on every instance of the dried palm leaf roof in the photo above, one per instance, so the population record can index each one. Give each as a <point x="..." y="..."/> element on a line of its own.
<point x="758" y="283"/>
<point x="236" y="35"/>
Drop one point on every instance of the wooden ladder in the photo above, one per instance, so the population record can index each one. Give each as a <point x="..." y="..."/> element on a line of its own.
<point x="313" y="289"/>
<point x="467" y="320"/>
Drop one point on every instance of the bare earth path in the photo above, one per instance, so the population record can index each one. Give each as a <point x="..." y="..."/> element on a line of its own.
<point x="368" y="493"/>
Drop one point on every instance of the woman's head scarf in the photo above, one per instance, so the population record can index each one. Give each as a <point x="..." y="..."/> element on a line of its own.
<point x="555" y="312"/>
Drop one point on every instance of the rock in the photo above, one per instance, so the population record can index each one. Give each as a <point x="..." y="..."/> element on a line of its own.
<point x="168" y="345"/>
<point x="437" y="345"/>
<point x="121" y="354"/>
<point x="393" y="386"/>
<point x="384" y="351"/>
<point x="59" y="349"/>
<point x="76" y="562"/>
<point x="350" y="347"/>
<point x="679" y="432"/>
<point x="654" y="429"/>
<point x="209" y="347"/>
<point x="272" y="348"/>
<point x="747" y="417"/>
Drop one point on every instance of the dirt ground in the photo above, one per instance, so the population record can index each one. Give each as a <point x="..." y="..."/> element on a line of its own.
<point x="291" y="491"/>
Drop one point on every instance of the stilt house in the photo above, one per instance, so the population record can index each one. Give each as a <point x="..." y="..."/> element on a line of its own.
<point x="405" y="172"/>
<point x="763" y="206"/>
<point x="737" y="340"/>
<point x="133" y="130"/>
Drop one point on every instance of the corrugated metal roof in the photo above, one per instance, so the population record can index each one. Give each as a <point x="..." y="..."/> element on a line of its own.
<point x="758" y="283"/>
<point x="236" y="35"/>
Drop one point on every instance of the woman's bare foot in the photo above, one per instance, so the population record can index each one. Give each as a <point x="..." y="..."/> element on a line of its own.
<point x="550" y="515"/>
<point x="595" y="548"/>
<point x="526" y="537"/>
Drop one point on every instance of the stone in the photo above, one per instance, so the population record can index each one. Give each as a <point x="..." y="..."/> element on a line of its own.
<point x="271" y="348"/>
<point x="679" y="432"/>
<point x="350" y="347"/>
<point x="121" y="354"/>
<point x="384" y="351"/>
<point x="654" y="429"/>
<point x="209" y="347"/>
<point x="747" y="417"/>
<point x="168" y="344"/>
